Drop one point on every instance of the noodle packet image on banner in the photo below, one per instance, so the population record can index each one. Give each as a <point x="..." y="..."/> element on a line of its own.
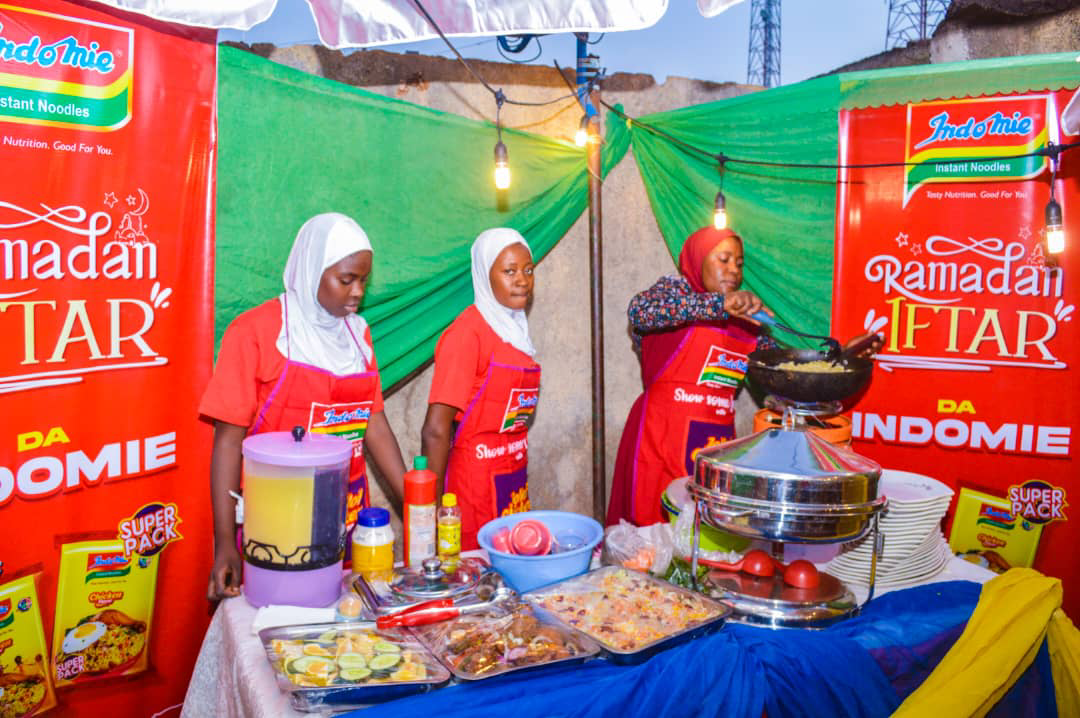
<point x="25" y="685"/>
<point x="104" y="606"/>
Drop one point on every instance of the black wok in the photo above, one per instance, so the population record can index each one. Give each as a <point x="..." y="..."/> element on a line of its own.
<point x="807" y="386"/>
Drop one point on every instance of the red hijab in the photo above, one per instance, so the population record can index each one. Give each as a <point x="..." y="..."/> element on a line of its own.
<point x="695" y="249"/>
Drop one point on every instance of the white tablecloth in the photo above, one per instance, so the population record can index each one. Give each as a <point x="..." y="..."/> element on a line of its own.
<point x="233" y="679"/>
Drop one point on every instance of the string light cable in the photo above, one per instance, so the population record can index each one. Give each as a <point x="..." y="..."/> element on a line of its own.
<point x="476" y="76"/>
<point x="1050" y="150"/>
<point x="1055" y="230"/>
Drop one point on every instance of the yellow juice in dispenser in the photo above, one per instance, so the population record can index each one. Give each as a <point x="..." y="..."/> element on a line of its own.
<point x="279" y="497"/>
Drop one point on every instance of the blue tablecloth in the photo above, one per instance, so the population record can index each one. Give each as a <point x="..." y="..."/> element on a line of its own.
<point x="864" y="666"/>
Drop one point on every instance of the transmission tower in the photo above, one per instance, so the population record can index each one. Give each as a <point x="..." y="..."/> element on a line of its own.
<point x="911" y="20"/>
<point x="763" y="62"/>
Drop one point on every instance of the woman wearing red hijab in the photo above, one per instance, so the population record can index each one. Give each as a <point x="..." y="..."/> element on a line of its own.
<point x="693" y="339"/>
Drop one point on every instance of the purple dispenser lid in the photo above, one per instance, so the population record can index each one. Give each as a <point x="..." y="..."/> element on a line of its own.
<point x="284" y="448"/>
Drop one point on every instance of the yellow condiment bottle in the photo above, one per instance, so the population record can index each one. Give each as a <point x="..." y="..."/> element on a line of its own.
<point x="448" y="523"/>
<point x="373" y="545"/>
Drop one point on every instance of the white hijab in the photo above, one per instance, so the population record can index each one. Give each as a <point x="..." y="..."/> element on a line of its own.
<point x="511" y="325"/>
<point x="315" y="336"/>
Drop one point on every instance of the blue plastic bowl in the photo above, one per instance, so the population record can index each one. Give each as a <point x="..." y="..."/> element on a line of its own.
<point x="524" y="573"/>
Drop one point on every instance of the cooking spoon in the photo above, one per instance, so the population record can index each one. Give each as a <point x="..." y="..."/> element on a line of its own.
<point x="833" y="349"/>
<point x="756" y="563"/>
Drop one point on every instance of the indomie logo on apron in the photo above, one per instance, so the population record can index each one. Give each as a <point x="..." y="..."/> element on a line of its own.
<point x="349" y="421"/>
<point x="519" y="408"/>
<point x="722" y="368"/>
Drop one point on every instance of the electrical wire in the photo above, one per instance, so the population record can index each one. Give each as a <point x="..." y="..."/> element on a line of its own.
<point x="492" y="90"/>
<point x="1051" y="150"/>
<point x="503" y="45"/>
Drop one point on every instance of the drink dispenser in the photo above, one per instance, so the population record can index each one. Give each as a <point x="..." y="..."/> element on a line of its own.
<point x="294" y="517"/>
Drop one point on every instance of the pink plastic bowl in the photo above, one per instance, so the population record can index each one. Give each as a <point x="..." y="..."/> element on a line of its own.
<point x="500" y="541"/>
<point x="530" y="537"/>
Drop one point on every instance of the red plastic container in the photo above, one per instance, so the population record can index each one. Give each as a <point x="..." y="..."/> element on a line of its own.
<point x="530" y="538"/>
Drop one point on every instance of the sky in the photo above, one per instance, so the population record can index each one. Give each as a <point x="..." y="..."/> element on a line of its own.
<point x="817" y="36"/>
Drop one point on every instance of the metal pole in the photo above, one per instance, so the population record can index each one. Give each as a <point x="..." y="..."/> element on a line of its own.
<point x="596" y="297"/>
<point x="596" y="282"/>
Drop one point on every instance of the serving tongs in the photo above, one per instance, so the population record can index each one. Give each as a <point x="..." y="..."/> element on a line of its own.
<point x="832" y="346"/>
<point x="834" y="352"/>
<point x="493" y="594"/>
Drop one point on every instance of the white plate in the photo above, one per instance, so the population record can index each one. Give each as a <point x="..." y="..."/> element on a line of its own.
<point x="898" y="560"/>
<point x="916" y="563"/>
<point x="907" y="487"/>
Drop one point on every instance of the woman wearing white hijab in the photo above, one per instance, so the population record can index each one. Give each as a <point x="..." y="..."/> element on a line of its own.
<point x="487" y="383"/>
<point x="305" y="359"/>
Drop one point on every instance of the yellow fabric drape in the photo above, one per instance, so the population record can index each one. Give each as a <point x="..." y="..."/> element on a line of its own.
<point x="1063" y="642"/>
<point x="1015" y="612"/>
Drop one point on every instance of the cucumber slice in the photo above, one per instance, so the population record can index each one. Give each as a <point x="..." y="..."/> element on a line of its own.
<point x="354" y="675"/>
<point x="386" y="647"/>
<point x="349" y="661"/>
<point x="383" y="662"/>
<point x="328" y="637"/>
<point x="303" y="663"/>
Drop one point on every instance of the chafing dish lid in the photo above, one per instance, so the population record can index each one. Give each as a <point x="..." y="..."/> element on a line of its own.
<point x="782" y="452"/>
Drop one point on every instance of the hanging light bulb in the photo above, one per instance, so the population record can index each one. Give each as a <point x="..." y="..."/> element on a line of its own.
<point x="1055" y="231"/>
<point x="502" y="166"/>
<point x="581" y="137"/>
<point x="720" y="212"/>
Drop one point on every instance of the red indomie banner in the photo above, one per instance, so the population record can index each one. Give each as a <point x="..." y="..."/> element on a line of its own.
<point x="977" y="384"/>
<point x="106" y="217"/>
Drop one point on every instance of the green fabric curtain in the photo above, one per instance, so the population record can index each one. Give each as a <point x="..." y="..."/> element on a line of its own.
<point x="787" y="215"/>
<point x="419" y="182"/>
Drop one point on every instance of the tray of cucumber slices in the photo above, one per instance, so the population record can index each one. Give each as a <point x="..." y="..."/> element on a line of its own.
<point x="340" y="666"/>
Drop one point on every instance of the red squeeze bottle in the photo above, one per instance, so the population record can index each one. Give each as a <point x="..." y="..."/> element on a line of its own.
<point x="419" y="512"/>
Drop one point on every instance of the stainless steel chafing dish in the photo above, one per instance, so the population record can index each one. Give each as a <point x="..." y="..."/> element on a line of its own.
<point x="787" y="485"/>
<point x="781" y="485"/>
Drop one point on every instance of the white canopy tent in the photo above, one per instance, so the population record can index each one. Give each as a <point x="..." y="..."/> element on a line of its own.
<point x="367" y="23"/>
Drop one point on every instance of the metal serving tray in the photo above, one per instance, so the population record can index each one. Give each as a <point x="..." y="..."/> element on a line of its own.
<point x="436" y="637"/>
<point x="591" y="582"/>
<point x="280" y="643"/>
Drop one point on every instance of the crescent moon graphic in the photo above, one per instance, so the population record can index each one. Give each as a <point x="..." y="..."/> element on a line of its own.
<point x="144" y="204"/>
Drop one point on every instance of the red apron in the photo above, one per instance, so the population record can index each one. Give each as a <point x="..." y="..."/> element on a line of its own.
<point x="689" y="405"/>
<point x="324" y="403"/>
<point x="489" y="458"/>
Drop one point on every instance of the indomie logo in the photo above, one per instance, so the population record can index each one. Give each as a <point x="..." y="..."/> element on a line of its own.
<point x="64" y="71"/>
<point x="975" y="140"/>
<point x="519" y="408"/>
<point x="722" y="368"/>
<point x="995" y="124"/>
<point x="67" y="52"/>
<point x="6" y="616"/>
<point x="998" y="518"/>
<point x="106" y="565"/>
<point x="333" y="418"/>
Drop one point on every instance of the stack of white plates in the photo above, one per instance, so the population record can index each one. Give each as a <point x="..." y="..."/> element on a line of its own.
<point x="915" y="549"/>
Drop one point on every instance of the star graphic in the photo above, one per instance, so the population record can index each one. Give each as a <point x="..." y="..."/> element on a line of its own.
<point x="130" y="199"/>
<point x="916" y="249"/>
<point x="901" y="240"/>
<point x="110" y="199"/>
<point x="1024" y="233"/>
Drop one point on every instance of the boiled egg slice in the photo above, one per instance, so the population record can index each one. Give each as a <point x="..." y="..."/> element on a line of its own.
<point x="83" y="636"/>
